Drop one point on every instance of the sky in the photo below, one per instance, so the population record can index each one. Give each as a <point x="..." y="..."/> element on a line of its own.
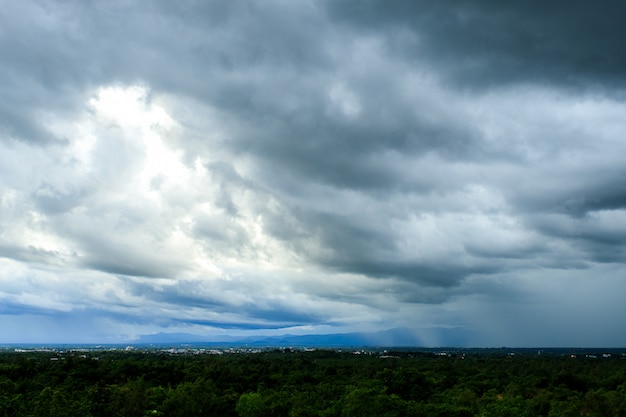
<point x="234" y="168"/>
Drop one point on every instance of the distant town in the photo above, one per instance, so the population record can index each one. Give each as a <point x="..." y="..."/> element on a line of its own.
<point x="383" y="352"/>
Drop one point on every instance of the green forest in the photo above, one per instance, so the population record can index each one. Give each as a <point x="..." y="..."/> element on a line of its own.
<point x="309" y="383"/>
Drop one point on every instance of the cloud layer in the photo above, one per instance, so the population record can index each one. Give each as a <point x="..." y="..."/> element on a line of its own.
<point x="233" y="167"/>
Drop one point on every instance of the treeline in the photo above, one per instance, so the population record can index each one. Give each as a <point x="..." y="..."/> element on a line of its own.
<point x="319" y="383"/>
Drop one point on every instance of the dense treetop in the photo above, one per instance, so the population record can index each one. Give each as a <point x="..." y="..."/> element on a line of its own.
<point x="310" y="383"/>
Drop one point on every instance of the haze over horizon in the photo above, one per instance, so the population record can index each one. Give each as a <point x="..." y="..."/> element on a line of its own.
<point x="241" y="168"/>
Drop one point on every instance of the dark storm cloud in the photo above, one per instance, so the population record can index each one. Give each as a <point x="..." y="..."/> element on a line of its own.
<point x="601" y="236"/>
<point x="359" y="155"/>
<point x="444" y="274"/>
<point x="283" y="314"/>
<point x="598" y="185"/>
<point x="326" y="162"/>
<point x="28" y="254"/>
<point x="214" y="297"/>
<point x="117" y="257"/>
<point x="46" y="57"/>
<point x="491" y="42"/>
<point x="180" y="292"/>
<point x="357" y="246"/>
<point x="242" y="325"/>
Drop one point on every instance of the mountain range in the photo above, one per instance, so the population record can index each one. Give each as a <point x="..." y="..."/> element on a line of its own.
<point x="397" y="337"/>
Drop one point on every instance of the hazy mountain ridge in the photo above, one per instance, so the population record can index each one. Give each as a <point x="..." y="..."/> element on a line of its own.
<point x="392" y="337"/>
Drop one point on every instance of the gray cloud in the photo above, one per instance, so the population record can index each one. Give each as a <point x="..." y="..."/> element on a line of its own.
<point x="490" y="43"/>
<point x="329" y="165"/>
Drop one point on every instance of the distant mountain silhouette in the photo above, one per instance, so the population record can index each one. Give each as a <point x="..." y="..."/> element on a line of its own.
<point x="398" y="337"/>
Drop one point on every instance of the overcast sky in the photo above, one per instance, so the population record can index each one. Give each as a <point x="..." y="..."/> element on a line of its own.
<point x="267" y="167"/>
